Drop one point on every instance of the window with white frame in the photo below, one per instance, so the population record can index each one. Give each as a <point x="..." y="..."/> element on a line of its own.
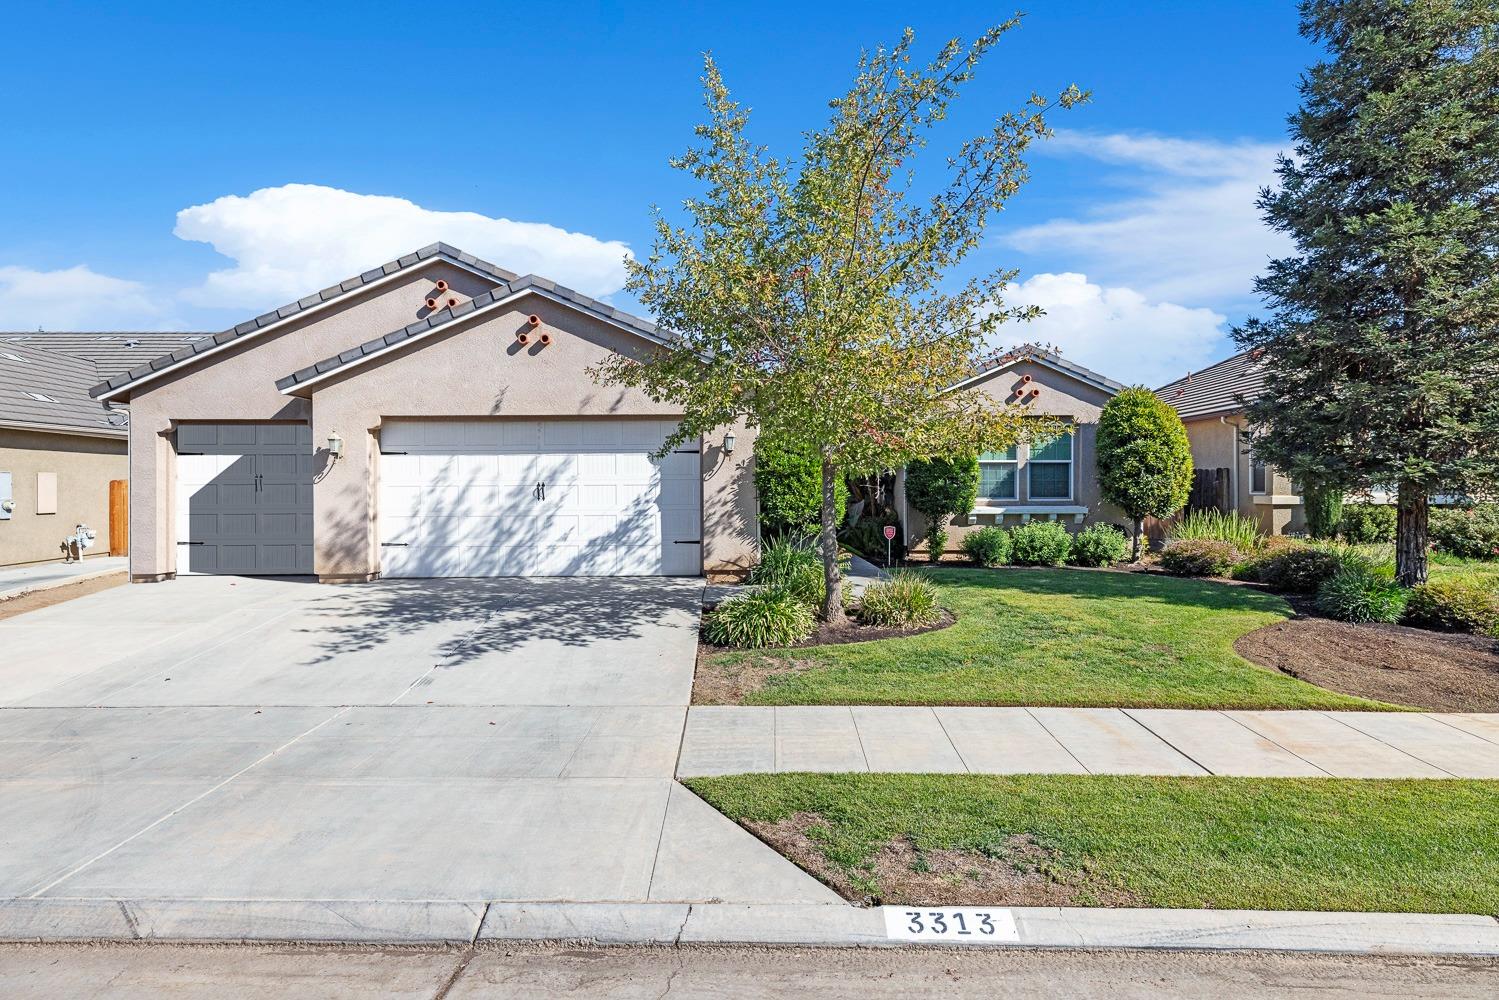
<point x="1049" y="467"/>
<point x="999" y="474"/>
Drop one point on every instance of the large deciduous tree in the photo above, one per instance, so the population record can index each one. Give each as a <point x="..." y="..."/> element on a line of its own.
<point x="1144" y="458"/>
<point x="813" y="296"/>
<point x="1382" y="348"/>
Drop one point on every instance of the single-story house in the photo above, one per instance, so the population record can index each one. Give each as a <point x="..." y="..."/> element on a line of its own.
<point x="1227" y="475"/>
<point x="59" y="449"/>
<point x="1052" y="480"/>
<point x="430" y="417"/>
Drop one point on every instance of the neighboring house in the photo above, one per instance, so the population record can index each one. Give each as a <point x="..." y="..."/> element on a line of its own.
<point x="1054" y="480"/>
<point x="60" y="449"/>
<point x="434" y="416"/>
<point x="1227" y="475"/>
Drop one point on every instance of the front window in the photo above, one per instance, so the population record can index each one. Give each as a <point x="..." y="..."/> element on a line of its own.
<point x="1049" y="467"/>
<point x="1258" y="475"/>
<point x="999" y="474"/>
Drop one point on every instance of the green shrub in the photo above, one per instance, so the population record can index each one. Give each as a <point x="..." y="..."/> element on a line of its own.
<point x="1357" y="593"/>
<point x="1455" y="604"/>
<point x="1214" y="525"/>
<point x="1098" y="545"/>
<point x="1144" y="457"/>
<point x="1324" y="510"/>
<point x="789" y="482"/>
<point x="794" y="567"/>
<point x="906" y="600"/>
<point x="1367" y="523"/>
<point x="1039" y="543"/>
<point x="867" y="537"/>
<point x="988" y="546"/>
<point x="941" y="488"/>
<point x="1471" y="533"/>
<point x="1198" y="557"/>
<point x="769" y="616"/>
<point x="1297" y="569"/>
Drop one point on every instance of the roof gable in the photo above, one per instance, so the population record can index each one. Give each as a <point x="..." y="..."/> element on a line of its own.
<point x="115" y="386"/>
<point x="995" y="364"/>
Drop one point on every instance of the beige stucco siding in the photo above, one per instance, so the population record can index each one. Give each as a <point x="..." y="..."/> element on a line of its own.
<point x="472" y="367"/>
<point x="478" y="369"/>
<point x="1215" y="445"/>
<point x="83" y="465"/>
<point x="1061" y="396"/>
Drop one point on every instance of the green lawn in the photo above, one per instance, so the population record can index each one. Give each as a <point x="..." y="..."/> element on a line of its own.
<point x="1443" y="566"/>
<point x="1241" y="843"/>
<point x="1054" y="637"/>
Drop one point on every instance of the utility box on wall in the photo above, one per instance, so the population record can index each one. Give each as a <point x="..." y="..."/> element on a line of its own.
<point x="46" y="493"/>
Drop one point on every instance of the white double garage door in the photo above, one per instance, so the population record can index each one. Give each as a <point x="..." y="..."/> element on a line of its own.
<point x="537" y="498"/>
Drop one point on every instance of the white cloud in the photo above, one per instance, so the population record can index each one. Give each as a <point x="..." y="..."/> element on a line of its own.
<point x="292" y="240"/>
<point x="1187" y="231"/>
<point x="1118" y="332"/>
<point x="74" y="298"/>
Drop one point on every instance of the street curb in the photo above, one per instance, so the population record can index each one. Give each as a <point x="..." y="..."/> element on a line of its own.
<point x="27" y="590"/>
<point x="827" y="925"/>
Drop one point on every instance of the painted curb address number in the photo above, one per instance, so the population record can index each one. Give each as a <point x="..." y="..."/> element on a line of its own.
<point x="951" y="924"/>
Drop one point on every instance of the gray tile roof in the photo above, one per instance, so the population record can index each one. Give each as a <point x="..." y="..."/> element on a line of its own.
<point x="1033" y="352"/>
<point x="442" y="317"/>
<point x="110" y="352"/>
<point x="1222" y="388"/>
<point x="292" y="308"/>
<point x="48" y="390"/>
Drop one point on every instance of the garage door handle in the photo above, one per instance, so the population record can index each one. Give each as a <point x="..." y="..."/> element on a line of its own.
<point x="691" y="541"/>
<point x="192" y="543"/>
<point x="394" y="545"/>
<point x="540" y="492"/>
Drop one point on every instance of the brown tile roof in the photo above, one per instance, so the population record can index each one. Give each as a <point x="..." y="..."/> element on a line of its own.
<point x="1222" y="388"/>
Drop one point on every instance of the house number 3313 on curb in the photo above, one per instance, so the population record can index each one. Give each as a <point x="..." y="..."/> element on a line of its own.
<point x="952" y="924"/>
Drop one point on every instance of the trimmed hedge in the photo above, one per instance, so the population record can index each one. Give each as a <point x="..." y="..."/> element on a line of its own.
<point x="1455" y="605"/>
<point x="988" y="546"/>
<point x="1098" y="545"/>
<point x="1039" y="543"/>
<point x="1367" y="523"/>
<point x="1198" y="557"/>
<point x="789" y="482"/>
<point x="1298" y="569"/>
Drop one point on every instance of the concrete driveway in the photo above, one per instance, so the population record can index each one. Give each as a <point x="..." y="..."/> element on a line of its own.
<point x="250" y="739"/>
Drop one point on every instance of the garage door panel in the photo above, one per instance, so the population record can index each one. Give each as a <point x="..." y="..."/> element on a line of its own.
<point x="474" y="510"/>
<point x="244" y="498"/>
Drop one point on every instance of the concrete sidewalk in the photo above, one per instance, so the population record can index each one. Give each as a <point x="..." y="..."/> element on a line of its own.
<point x="736" y="740"/>
<point x="16" y="581"/>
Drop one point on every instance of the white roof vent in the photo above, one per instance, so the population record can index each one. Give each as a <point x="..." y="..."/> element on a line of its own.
<point x="38" y="396"/>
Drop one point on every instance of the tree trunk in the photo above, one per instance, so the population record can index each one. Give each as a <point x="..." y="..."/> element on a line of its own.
<point x="1412" y="513"/>
<point x="827" y="543"/>
<point x="1135" y="540"/>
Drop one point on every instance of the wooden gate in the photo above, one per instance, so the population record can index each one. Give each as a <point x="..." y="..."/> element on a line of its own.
<point x="119" y="517"/>
<point x="1209" y="490"/>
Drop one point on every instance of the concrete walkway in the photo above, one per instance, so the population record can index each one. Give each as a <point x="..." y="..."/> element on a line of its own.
<point x="735" y="740"/>
<point x="18" y="580"/>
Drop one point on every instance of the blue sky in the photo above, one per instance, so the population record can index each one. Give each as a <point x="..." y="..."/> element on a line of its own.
<point x="186" y="165"/>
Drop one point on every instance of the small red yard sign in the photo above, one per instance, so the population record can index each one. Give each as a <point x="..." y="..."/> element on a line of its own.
<point x="889" y="532"/>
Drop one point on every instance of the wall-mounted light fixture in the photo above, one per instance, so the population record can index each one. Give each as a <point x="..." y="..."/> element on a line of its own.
<point x="335" y="445"/>
<point x="728" y="443"/>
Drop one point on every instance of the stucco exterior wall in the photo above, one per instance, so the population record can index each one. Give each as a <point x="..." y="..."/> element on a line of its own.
<point x="239" y="383"/>
<point x="472" y="368"/>
<point x="477" y="369"/>
<point x="1061" y="396"/>
<point x="84" y="467"/>
<point x="1215" y="445"/>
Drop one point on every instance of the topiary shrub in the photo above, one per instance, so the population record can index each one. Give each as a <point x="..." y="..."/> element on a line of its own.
<point x="789" y="481"/>
<point x="794" y="567"/>
<point x="1367" y="523"/>
<point x="770" y="616"/>
<point x="1471" y="533"/>
<point x="1144" y="457"/>
<point x="1297" y="569"/>
<point x="988" y="546"/>
<point x="1198" y="557"/>
<point x="1358" y="594"/>
<point x="903" y="601"/>
<point x="1039" y="543"/>
<point x="1455" y="605"/>
<point x="941" y="488"/>
<point x="1098" y="545"/>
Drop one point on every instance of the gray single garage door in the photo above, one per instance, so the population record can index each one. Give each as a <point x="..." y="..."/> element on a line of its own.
<point x="244" y="499"/>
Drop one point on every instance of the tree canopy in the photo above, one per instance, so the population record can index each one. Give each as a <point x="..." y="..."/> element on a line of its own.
<point x="813" y="296"/>
<point x="1382" y="344"/>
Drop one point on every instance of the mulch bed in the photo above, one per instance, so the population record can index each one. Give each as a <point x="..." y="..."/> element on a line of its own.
<point x="1014" y="874"/>
<point x="1435" y="671"/>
